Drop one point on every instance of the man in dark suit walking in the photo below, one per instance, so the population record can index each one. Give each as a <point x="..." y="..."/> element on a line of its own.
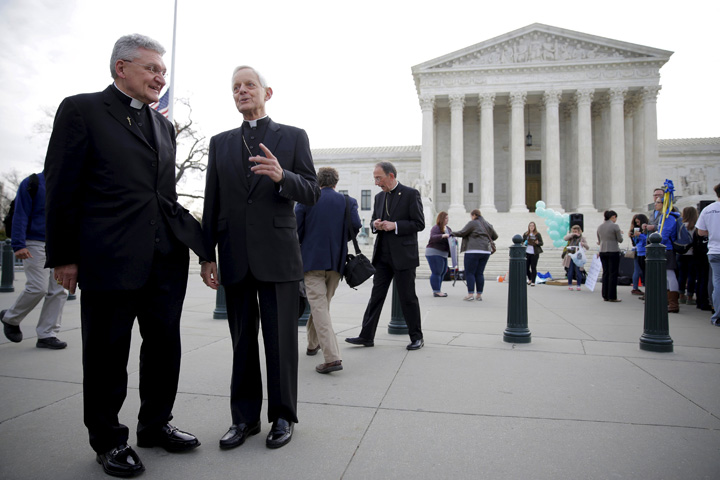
<point x="324" y="235"/>
<point x="255" y="175"/>
<point x="397" y="218"/>
<point x="115" y="228"/>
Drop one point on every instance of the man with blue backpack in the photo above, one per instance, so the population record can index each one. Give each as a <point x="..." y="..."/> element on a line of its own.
<point x="28" y="243"/>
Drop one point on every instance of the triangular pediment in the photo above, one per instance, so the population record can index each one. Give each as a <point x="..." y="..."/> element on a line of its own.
<point x="542" y="44"/>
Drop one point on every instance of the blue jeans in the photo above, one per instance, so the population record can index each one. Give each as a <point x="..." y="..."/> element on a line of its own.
<point x="574" y="272"/>
<point x="638" y="274"/>
<point x="474" y="271"/>
<point x="438" y="269"/>
<point x="715" y="267"/>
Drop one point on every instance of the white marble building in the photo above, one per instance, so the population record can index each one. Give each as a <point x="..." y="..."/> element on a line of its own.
<point x="589" y="104"/>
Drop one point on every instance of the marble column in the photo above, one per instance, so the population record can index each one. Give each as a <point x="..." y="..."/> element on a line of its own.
<point x="487" y="154"/>
<point x="457" y="182"/>
<point x="630" y="177"/>
<point x="583" y="98"/>
<point x="552" y="149"/>
<point x="427" y="153"/>
<point x="617" y="150"/>
<point x="517" y="153"/>
<point x="571" y="140"/>
<point x="650" y="144"/>
<point x="643" y="196"/>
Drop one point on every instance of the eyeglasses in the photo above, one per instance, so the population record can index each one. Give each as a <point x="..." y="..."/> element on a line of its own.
<point x="150" y="68"/>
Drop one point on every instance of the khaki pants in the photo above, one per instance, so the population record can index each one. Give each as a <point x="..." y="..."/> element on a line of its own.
<point x="320" y="286"/>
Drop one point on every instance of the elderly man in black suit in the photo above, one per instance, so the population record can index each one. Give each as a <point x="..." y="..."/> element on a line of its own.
<point x="115" y="228"/>
<point x="255" y="175"/>
<point x="397" y="219"/>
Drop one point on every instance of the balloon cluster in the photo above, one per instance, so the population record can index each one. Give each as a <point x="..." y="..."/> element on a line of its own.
<point x="558" y="224"/>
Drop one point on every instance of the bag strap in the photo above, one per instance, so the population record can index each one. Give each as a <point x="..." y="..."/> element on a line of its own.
<point x="348" y="226"/>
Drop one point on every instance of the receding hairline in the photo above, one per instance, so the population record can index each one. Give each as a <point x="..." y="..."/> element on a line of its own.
<point x="260" y="77"/>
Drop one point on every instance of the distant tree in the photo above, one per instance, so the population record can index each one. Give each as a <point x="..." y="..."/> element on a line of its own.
<point x="192" y="150"/>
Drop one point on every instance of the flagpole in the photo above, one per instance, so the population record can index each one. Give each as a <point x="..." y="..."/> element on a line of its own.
<point x="172" y="69"/>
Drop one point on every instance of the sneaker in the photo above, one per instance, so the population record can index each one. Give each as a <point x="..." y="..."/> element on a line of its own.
<point x="53" y="343"/>
<point x="469" y="298"/>
<point x="478" y="297"/>
<point x="570" y="288"/>
<point x="12" y="332"/>
<point x="578" y="289"/>
<point x="637" y="292"/>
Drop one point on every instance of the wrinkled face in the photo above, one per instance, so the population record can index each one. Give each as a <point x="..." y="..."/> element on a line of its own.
<point x="385" y="181"/>
<point x="250" y="96"/>
<point x="141" y="77"/>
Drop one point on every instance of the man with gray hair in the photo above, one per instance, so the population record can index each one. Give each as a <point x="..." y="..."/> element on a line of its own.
<point x="115" y="229"/>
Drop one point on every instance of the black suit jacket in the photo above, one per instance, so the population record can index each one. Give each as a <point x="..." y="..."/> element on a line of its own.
<point x="253" y="222"/>
<point x="407" y="212"/>
<point x="106" y="190"/>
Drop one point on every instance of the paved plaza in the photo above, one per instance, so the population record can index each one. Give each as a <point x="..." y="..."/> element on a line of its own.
<point x="581" y="401"/>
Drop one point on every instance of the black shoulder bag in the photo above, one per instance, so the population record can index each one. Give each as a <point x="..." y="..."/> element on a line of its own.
<point x="357" y="267"/>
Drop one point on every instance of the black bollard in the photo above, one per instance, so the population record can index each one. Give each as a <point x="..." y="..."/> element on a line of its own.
<point x="220" y="312"/>
<point x="397" y="325"/>
<point x="303" y="319"/>
<point x="517" y="320"/>
<point x="8" y="267"/>
<point x="656" y="335"/>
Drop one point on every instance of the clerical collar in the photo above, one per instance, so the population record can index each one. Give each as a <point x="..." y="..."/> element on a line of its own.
<point x="394" y="188"/>
<point x="133" y="102"/>
<point x="254" y="123"/>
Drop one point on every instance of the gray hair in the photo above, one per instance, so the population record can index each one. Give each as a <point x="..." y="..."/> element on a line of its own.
<point x="263" y="82"/>
<point x="388" y="168"/>
<point x="126" y="48"/>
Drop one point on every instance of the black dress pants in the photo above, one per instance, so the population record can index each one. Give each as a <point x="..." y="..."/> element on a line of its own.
<point x="611" y="268"/>
<point x="107" y="319"/>
<point x="274" y="306"/>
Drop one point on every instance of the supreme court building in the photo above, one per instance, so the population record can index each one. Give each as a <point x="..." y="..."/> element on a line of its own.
<point x="538" y="113"/>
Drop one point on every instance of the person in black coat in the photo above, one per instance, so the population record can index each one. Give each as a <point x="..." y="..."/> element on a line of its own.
<point x="114" y="227"/>
<point x="255" y="175"/>
<point x="397" y="219"/>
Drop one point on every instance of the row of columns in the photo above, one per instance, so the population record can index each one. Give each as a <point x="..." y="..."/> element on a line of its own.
<point x="644" y="148"/>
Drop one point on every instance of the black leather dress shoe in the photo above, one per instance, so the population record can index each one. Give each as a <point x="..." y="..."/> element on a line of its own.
<point x="416" y="344"/>
<point x="12" y="332"/>
<point x="169" y="438"/>
<point x="280" y="433"/>
<point x="237" y="434"/>
<point x="360" y="341"/>
<point x="121" y="461"/>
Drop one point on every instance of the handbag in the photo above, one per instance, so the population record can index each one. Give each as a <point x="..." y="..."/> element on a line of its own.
<point x="493" y="248"/>
<point x="357" y="267"/>
<point x="630" y="253"/>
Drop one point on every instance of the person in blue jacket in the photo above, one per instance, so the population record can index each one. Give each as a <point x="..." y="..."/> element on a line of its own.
<point x="28" y="243"/>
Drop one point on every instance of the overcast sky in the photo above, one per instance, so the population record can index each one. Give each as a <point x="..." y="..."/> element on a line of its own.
<point x="340" y="70"/>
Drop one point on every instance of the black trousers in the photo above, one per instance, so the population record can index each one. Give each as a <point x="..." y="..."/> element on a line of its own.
<point x="611" y="267"/>
<point x="531" y="261"/>
<point x="274" y="306"/>
<point x="405" y="281"/>
<point x="107" y="319"/>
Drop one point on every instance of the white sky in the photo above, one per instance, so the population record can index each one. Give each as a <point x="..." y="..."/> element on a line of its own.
<point x="339" y="69"/>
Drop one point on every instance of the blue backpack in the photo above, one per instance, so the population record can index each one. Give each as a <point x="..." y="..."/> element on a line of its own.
<point x="683" y="240"/>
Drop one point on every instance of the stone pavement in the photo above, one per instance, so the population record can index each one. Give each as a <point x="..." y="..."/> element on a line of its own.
<point x="580" y="401"/>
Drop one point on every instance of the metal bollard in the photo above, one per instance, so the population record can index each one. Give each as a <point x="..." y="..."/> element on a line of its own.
<point x="8" y="267"/>
<point x="397" y="325"/>
<point x="517" y="320"/>
<point x="656" y="337"/>
<point x="220" y="312"/>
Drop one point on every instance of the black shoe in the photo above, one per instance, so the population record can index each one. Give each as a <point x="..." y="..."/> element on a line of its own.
<point x="51" y="342"/>
<point x="280" y="433"/>
<point x="12" y="332"/>
<point x="360" y="341"/>
<point x="416" y="344"/>
<point x="312" y="351"/>
<point x="121" y="461"/>
<point x="169" y="438"/>
<point x="237" y="434"/>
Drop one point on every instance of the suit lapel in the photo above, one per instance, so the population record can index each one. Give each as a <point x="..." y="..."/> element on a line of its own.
<point x="120" y="113"/>
<point x="235" y="152"/>
<point x="395" y="199"/>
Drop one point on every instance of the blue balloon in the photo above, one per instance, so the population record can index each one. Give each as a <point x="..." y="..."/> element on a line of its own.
<point x="539" y="204"/>
<point x="559" y="243"/>
<point x="554" y="234"/>
<point x="540" y="211"/>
